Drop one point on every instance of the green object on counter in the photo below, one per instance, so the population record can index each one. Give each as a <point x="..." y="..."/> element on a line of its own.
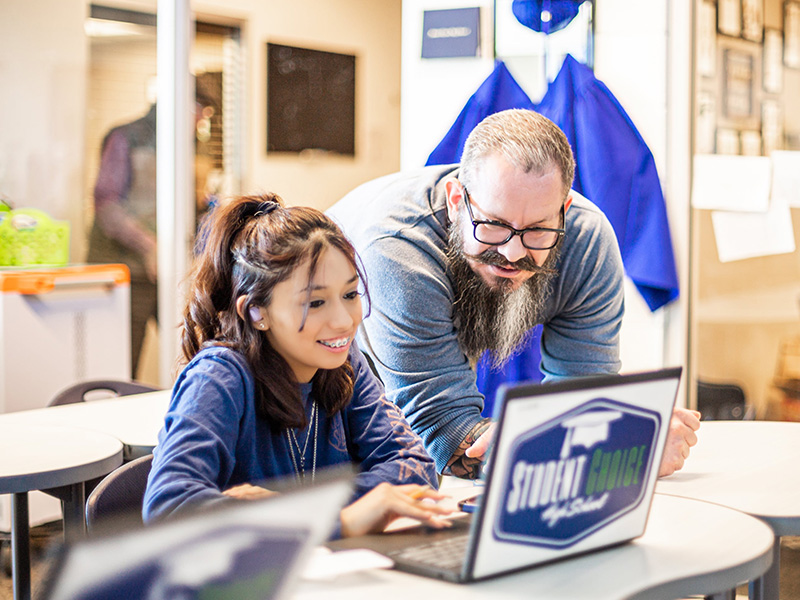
<point x="29" y="236"/>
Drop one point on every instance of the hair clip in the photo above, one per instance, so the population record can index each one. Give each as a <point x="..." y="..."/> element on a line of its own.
<point x="265" y="208"/>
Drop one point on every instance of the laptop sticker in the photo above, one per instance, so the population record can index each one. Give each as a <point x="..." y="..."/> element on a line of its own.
<point x="577" y="473"/>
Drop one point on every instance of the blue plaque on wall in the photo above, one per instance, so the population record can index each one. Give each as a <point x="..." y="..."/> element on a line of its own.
<point x="451" y="33"/>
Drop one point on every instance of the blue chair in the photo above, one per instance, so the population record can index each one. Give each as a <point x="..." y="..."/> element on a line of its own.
<point x="119" y="495"/>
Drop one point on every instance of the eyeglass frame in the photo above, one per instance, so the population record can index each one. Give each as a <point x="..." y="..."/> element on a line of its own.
<point x="560" y="231"/>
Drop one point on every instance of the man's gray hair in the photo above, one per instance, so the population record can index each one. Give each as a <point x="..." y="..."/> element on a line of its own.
<point x="526" y="139"/>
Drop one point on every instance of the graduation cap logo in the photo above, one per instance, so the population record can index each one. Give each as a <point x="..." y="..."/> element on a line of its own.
<point x="577" y="473"/>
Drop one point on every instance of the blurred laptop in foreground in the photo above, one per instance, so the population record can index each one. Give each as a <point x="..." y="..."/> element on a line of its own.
<point x="239" y="549"/>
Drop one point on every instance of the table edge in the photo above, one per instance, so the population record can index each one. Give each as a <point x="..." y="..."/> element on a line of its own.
<point x="15" y="484"/>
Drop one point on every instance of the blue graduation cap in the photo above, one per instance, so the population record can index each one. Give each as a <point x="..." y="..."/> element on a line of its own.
<point x="546" y="16"/>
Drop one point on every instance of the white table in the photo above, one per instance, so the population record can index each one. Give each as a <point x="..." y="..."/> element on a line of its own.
<point x="754" y="467"/>
<point x="134" y="420"/>
<point x="57" y="460"/>
<point x="689" y="547"/>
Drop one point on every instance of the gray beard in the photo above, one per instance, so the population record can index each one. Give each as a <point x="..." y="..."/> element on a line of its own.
<point x="495" y="318"/>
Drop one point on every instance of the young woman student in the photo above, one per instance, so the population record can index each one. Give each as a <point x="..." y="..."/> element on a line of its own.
<point x="275" y="385"/>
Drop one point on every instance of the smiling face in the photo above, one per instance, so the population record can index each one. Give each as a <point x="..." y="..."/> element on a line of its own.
<point x="506" y="194"/>
<point x="332" y="313"/>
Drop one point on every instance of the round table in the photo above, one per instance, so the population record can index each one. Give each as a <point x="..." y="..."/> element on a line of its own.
<point x="751" y="466"/>
<point x="689" y="547"/>
<point x="57" y="460"/>
<point x="134" y="420"/>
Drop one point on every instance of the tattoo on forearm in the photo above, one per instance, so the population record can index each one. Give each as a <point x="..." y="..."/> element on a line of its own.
<point x="461" y="465"/>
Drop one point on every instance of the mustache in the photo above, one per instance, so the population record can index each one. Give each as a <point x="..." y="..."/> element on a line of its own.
<point x="494" y="258"/>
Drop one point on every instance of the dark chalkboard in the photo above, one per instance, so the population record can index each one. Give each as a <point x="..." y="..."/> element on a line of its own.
<point x="310" y="100"/>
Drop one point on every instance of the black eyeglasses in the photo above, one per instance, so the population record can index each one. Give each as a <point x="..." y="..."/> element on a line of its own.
<point x="495" y="233"/>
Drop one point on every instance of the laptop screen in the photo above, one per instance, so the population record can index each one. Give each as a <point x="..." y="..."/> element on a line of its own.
<point x="242" y="549"/>
<point x="221" y="562"/>
<point x="573" y="467"/>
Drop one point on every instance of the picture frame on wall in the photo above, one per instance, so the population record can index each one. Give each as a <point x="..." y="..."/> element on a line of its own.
<point x="791" y="34"/>
<point x="772" y="80"/>
<point x="727" y="141"/>
<point x="729" y="17"/>
<point x="738" y="66"/>
<point x="707" y="39"/>
<point x="738" y="83"/>
<point x="753" y="20"/>
<point x="310" y="100"/>
<point x="771" y="126"/>
<point x="750" y="143"/>
<point x="451" y="33"/>
<point x="706" y="123"/>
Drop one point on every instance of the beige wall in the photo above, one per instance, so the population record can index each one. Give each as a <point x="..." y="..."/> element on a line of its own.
<point x="49" y="139"/>
<point x="367" y="28"/>
<point x="43" y="57"/>
<point x="44" y="77"/>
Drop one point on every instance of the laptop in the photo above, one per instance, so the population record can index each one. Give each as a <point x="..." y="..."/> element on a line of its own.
<point x="241" y="549"/>
<point x="572" y="469"/>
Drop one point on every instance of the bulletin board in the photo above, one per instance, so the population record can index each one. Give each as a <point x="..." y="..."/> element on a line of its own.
<point x="310" y="100"/>
<point x="744" y="311"/>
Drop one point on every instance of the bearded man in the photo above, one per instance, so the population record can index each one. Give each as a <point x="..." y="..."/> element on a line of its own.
<point x="466" y="258"/>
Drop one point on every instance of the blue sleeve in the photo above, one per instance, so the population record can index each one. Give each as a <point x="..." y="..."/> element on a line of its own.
<point x="379" y="437"/>
<point x="196" y="449"/>
<point x="412" y="339"/>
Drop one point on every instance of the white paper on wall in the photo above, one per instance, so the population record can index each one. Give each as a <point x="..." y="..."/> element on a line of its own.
<point x="731" y="183"/>
<point x="741" y="235"/>
<point x="786" y="177"/>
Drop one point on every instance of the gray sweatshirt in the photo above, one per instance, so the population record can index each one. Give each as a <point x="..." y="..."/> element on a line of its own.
<point x="398" y="226"/>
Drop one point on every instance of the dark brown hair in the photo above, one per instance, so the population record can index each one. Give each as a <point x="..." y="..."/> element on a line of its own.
<point x="250" y="245"/>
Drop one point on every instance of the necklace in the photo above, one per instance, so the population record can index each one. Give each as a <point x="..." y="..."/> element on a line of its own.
<point x="300" y="466"/>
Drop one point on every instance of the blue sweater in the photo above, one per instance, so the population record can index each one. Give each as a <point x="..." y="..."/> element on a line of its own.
<point x="212" y="438"/>
<point x="398" y="226"/>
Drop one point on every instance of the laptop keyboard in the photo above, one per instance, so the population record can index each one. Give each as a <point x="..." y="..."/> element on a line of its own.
<point x="447" y="553"/>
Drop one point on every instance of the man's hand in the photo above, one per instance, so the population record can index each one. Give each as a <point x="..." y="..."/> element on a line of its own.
<point x="481" y="446"/>
<point x="680" y="438"/>
<point x="467" y="459"/>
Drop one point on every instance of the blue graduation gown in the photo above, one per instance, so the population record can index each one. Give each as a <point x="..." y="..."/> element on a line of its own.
<point x="499" y="91"/>
<point x="616" y="170"/>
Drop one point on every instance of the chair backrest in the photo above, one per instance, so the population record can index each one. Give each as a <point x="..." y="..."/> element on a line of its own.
<point x="119" y="494"/>
<point x="721" y="401"/>
<point x="105" y="388"/>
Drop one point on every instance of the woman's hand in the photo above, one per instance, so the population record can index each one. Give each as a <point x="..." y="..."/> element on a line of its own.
<point x="246" y="491"/>
<point x="376" y="509"/>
